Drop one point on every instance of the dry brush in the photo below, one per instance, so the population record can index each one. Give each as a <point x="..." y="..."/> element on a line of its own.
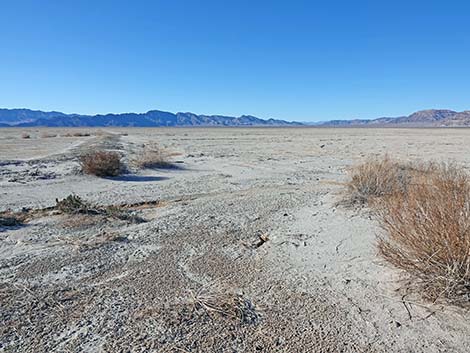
<point x="424" y="210"/>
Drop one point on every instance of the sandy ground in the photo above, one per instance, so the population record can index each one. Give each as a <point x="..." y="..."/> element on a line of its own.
<point x="94" y="284"/>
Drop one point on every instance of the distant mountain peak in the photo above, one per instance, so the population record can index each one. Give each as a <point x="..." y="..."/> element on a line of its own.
<point x="431" y="115"/>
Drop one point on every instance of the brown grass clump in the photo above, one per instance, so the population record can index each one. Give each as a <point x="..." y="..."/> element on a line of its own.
<point x="153" y="156"/>
<point x="101" y="163"/>
<point x="428" y="232"/>
<point x="424" y="209"/>
<point x="377" y="178"/>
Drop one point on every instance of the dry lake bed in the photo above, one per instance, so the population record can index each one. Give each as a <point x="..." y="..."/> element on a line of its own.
<point x="238" y="246"/>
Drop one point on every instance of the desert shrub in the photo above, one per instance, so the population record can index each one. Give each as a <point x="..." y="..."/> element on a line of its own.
<point x="152" y="155"/>
<point x="427" y="232"/>
<point x="101" y="163"/>
<point x="74" y="204"/>
<point x="80" y="134"/>
<point x="376" y="177"/>
<point x="48" y="135"/>
<point x="76" y="134"/>
<point x="25" y="135"/>
<point x="380" y="177"/>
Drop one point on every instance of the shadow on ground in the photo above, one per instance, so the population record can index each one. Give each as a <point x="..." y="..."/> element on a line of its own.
<point x="169" y="166"/>
<point x="139" y="178"/>
<point x="4" y="228"/>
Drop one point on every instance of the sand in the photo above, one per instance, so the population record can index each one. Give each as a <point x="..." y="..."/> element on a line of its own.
<point x="314" y="283"/>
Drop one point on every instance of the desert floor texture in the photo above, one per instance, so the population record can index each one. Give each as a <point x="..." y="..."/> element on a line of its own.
<point x="244" y="217"/>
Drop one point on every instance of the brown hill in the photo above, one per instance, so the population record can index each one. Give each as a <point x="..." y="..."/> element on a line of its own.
<point x="459" y="119"/>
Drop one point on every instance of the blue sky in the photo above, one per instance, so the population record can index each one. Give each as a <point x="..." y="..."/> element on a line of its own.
<point x="294" y="60"/>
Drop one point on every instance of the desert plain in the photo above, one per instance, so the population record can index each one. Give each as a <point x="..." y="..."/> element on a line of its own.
<point x="241" y="244"/>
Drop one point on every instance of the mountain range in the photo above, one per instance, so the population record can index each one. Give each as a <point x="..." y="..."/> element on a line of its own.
<point x="422" y="118"/>
<point x="157" y="118"/>
<point x="153" y="118"/>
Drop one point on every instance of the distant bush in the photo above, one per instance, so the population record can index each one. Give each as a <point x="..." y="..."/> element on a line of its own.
<point x="428" y="232"/>
<point x="48" y="135"/>
<point x="101" y="163"/>
<point x="81" y="134"/>
<point x="152" y="155"/>
<point x="76" y="134"/>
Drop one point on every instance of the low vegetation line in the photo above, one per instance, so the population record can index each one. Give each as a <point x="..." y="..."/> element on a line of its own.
<point x="73" y="204"/>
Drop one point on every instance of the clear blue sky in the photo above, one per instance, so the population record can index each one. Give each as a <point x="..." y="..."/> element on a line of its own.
<point x="295" y="60"/>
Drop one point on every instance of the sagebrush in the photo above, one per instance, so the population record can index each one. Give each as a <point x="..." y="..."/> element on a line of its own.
<point x="427" y="232"/>
<point x="380" y="177"/>
<point x="102" y="163"/>
<point x="151" y="156"/>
